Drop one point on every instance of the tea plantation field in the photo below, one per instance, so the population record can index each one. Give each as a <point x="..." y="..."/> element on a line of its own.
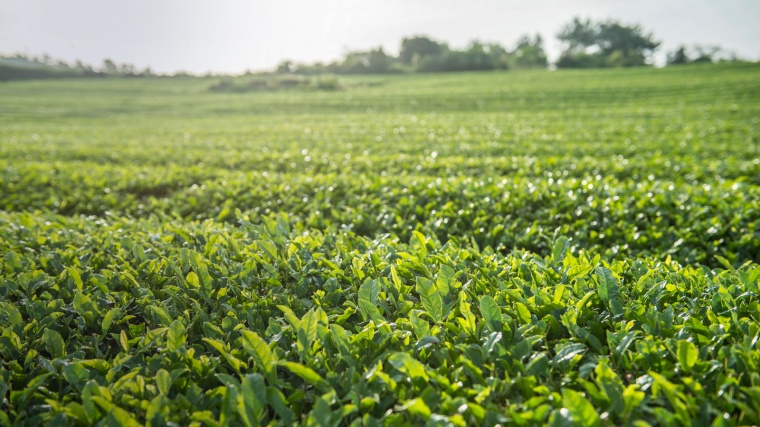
<point x="517" y="248"/>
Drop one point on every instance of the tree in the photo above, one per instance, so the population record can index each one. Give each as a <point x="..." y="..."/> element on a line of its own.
<point x="700" y="53"/>
<point x="679" y="56"/>
<point x="375" y="61"/>
<point x="706" y="53"/>
<point x="578" y="35"/>
<point x="126" y="68"/>
<point x="604" y="44"/>
<point x="476" y="57"/>
<point x="415" y="49"/>
<point x="529" y="52"/>
<point x="109" y="66"/>
<point x="285" y="67"/>
<point x="378" y="61"/>
<point x="626" y="45"/>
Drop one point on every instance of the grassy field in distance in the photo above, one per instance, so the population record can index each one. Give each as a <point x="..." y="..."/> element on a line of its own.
<point x="512" y="248"/>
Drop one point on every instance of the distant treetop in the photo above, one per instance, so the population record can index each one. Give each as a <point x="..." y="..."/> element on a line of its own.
<point x="589" y="44"/>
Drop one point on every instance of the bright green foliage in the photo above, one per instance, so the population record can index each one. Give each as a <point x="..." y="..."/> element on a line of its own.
<point x="681" y="337"/>
<point x="514" y="249"/>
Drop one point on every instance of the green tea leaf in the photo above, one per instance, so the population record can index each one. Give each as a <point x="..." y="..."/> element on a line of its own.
<point x="197" y="263"/>
<point x="269" y="248"/>
<point x="321" y="414"/>
<point x="76" y="374"/>
<point x="176" y="336"/>
<point x="633" y="397"/>
<point x="368" y="294"/>
<point x="431" y="298"/>
<point x="491" y="313"/>
<point x="230" y="405"/>
<point x="114" y="414"/>
<point x="467" y="318"/>
<point x="578" y="270"/>
<point x="422" y="242"/>
<point x="568" y="352"/>
<point x="625" y="342"/>
<point x="538" y="364"/>
<point x="74" y="274"/>
<point x="560" y="249"/>
<point x="163" y="381"/>
<point x="523" y="314"/>
<point x="252" y="400"/>
<point x="91" y="409"/>
<point x="446" y="280"/>
<point x="581" y="410"/>
<point x="276" y="400"/>
<point x="259" y="350"/>
<point x="291" y="317"/>
<point x="9" y="315"/>
<point x="612" y="386"/>
<point x="162" y="316"/>
<point x="306" y="373"/>
<point x="158" y="410"/>
<point x="340" y="340"/>
<point x="85" y="307"/>
<point x="108" y="319"/>
<point x="688" y="355"/>
<point x="192" y="280"/>
<point x="609" y="290"/>
<point x="676" y="398"/>
<point x="417" y="407"/>
<point x="221" y="348"/>
<point x="123" y="340"/>
<point x="307" y="331"/>
<point x="420" y="326"/>
<point x="53" y="343"/>
<point x="408" y="365"/>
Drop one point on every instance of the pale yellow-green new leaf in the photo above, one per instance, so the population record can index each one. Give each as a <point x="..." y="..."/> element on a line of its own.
<point x="259" y="350"/>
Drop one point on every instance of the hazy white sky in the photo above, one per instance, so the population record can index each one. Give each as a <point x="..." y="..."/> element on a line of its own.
<point x="235" y="35"/>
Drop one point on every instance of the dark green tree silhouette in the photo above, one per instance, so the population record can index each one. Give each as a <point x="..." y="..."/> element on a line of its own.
<point x="476" y="57"/>
<point x="679" y="56"/>
<point x="109" y="66"/>
<point x="604" y="44"/>
<point x="701" y="54"/>
<point x="375" y="61"/>
<point x="285" y="67"/>
<point x="529" y="52"/>
<point x="415" y="49"/>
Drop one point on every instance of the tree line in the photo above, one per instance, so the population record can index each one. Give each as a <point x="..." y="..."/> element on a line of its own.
<point x="585" y="44"/>
<point x="19" y="67"/>
<point x="423" y="54"/>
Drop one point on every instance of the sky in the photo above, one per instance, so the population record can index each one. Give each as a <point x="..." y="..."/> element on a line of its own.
<point x="233" y="36"/>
